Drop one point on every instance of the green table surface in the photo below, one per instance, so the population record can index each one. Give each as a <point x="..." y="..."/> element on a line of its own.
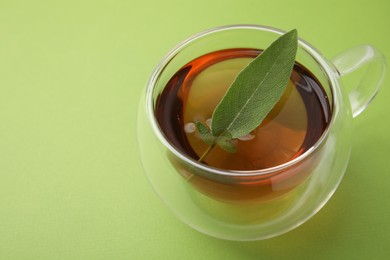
<point x="71" y="184"/>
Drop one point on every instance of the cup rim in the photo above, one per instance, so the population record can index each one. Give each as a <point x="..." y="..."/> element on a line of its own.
<point x="312" y="51"/>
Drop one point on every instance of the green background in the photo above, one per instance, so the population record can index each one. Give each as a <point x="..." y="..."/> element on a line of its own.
<point x="71" y="184"/>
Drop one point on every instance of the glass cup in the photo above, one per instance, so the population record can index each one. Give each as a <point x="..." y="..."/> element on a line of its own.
<point x="254" y="205"/>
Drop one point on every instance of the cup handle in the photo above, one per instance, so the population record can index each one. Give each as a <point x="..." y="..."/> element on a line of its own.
<point x="373" y="63"/>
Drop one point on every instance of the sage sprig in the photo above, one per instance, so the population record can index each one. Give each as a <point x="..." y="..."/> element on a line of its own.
<point x="252" y="95"/>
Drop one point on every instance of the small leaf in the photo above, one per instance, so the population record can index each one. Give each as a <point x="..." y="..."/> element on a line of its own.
<point x="225" y="142"/>
<point x="205" y="133"/>
<point x="256" y="89"/>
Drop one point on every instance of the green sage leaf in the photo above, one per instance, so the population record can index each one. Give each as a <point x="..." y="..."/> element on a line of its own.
<point x="256" y="89"/>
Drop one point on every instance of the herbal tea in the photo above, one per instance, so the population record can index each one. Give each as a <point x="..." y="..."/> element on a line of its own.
<point x="309" y="128"/>
<point x="293" y="125"/>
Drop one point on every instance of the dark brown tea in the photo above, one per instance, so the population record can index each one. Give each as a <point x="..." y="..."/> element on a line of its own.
<point x="293" y="126"/>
